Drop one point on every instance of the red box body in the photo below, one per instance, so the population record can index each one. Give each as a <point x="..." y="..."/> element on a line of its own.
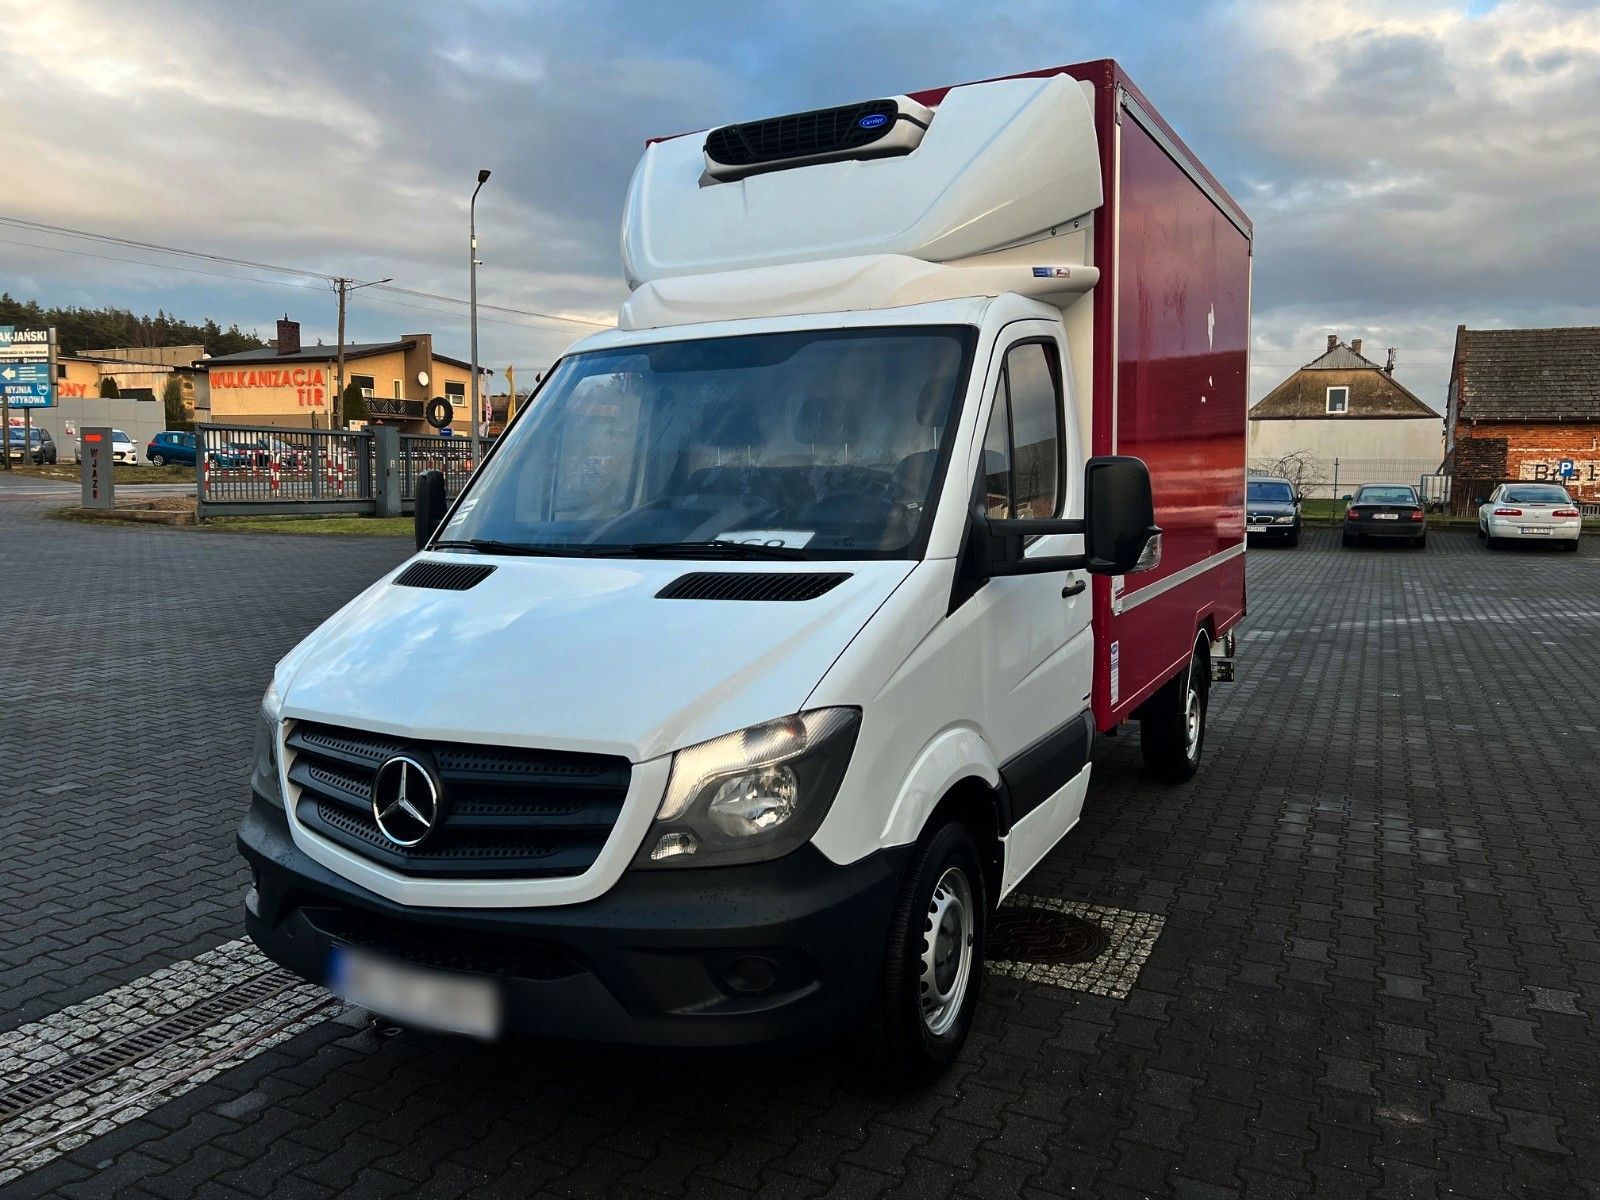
<point x="1171" y="368"/>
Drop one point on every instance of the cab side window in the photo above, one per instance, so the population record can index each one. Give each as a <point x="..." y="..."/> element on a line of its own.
<point x="1022" y="448"/>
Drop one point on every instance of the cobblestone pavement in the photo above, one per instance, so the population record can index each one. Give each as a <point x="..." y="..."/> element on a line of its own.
<point x="1377" y="971"/>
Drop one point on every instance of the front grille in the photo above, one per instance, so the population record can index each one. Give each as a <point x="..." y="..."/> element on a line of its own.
<point x="822" y="131"/>
<point x="504" y="811"/>
<point x="444" y="949"/>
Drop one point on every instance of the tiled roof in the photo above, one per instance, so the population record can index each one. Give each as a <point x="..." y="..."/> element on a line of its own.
<point x="1529" y="374"/>
<point x="1374" y="393"/>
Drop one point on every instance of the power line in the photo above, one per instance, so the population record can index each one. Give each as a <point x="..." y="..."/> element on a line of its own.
<point x="249" y="264"/>
<point x="281" y="283"/>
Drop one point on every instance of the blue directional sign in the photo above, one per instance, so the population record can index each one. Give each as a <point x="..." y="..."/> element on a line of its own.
<point x="27" y="384"/>
<point x="1566" y="468"/>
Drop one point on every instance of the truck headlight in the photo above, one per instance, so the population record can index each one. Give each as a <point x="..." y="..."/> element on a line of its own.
<point x="751" y="795"/>
<point x="264" y="778"/>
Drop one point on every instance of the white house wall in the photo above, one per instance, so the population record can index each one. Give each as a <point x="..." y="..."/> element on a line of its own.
<point x="1366" y="450"/>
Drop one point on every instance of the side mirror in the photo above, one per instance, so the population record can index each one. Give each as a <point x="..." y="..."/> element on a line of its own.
<point x="1480" y="499"/>
<point x="1120" y="534"/>
<point x="1347" y="497"/>
<point x="429" y="507"/>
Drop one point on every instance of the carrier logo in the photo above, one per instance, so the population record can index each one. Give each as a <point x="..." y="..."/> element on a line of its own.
<point x="873" y="121"/>
<point x="405" y="801"/>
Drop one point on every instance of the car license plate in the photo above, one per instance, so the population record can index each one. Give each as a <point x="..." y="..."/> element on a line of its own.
<point x="438" y="1000"/>
<point x="1385" y="516"/>
<point x="1535" y="530"/>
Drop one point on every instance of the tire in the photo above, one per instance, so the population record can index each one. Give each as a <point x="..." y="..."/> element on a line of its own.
<point x="1293" y="539"/>
<point x="1348" y="539"/>
<point x="158" y="460"/>
<point x="942" y="896"/>
<point x="1418" y="542"/>
<point x="1491" y="543"/>
<point x="1172" y="723"/>
<point x="1480" y="533"/>
<point x="1570" y="547"/>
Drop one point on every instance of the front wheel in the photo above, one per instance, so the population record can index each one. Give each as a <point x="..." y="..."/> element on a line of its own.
<point x="158" y="460"/>
<point x="933" y="961"/>
<point x="1172" y="723"/>
<point x="1294" y="538"/>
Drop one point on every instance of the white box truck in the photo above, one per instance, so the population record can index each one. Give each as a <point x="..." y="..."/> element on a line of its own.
<point x="764" y="654"/>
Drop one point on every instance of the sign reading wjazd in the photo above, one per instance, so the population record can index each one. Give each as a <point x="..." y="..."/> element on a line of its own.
<point x="27" y="368"/>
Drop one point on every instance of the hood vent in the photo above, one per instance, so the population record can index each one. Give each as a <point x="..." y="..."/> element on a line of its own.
<point x="446" y="577"/>
<point x="751" y="585"/>
<point x="873" y="129"/>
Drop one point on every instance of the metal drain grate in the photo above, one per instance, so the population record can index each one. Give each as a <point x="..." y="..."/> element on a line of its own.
<point x="1043" y="935"/>
<point x="130" y="1048"/>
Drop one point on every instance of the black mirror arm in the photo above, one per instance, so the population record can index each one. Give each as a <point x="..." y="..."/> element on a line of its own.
<point x="1042" y="565"/>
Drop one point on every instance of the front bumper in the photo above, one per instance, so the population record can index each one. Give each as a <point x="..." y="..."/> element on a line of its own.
<point x="664" y="958"/>
<point x="1281" y="531"/>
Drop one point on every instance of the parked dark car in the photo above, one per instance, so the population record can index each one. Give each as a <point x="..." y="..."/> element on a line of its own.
<point x="1272" y="509"/>
<point x="1386" y="510"/>
<point x="41" y="446"/>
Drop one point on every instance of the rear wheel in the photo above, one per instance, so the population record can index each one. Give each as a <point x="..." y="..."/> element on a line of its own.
<point x="1491" y="543"/>
<point x="1349" y="539"/>
<point x="1420" y="540"/>
<point x="1172" y="723"/>
<point x="933" y="962"/>
<point x="1570" y="547"/>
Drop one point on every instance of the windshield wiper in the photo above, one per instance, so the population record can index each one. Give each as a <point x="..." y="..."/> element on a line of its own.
<point x="490" y="546"/>
<point x="712" y="549"/>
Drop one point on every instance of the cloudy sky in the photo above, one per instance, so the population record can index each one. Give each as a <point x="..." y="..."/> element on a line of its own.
<point x="1409" y="165"/>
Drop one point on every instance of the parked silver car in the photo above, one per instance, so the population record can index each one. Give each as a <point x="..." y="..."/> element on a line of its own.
<point x="1541" y="512"/>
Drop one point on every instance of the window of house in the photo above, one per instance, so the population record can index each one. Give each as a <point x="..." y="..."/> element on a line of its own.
<point x="1022" y="448"/>
<point x="366" y="383"/>
<point x="1338" y="399"/>
<point x="457" y="390"/>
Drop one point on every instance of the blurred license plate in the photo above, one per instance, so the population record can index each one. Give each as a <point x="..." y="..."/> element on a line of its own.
<point x="1385" y="516"/>
<point x="1535" y="529"/>
<point x="414" y="995"/>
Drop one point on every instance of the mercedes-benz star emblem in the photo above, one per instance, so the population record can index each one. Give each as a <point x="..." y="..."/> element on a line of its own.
<point x="405" y="801"/>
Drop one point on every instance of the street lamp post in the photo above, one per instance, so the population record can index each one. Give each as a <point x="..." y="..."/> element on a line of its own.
<point x="472" y="257"/>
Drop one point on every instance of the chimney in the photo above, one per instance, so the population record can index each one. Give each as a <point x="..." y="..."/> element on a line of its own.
<point x="1355" y="345"/>
<point x="288" y="336"/>
<point x="1333" y="340"/>
<point x="1389" y="368"/>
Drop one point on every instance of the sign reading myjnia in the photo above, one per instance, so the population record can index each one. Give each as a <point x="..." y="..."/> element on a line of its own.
<point x="27" y="370"/>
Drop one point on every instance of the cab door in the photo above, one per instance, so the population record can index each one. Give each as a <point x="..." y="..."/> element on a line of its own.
<point x="1032" y="631"/>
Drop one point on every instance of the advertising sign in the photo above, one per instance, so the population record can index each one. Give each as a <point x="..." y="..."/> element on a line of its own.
<point x="27" y="368"/>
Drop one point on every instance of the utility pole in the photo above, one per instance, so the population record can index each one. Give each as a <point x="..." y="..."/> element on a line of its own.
<point x="472" y="258"/>
<point x="344" y="286"/>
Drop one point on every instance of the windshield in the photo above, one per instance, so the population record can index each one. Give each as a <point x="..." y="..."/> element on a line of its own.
<point x="1269" y="492"/>
<point x="118" y="436"/>
<point x="821" y="444"/>
<point x="1537" y="495"/>
<point x="1386" y="495"/>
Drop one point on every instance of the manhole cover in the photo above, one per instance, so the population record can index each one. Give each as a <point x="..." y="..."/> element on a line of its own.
<point x="1042" y="935"/>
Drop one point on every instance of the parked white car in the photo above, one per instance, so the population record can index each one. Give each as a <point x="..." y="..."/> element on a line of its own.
<point x="1531" y="512"/>
<point x="123" y="448"/>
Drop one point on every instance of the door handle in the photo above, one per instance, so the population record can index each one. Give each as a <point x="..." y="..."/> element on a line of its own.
<point x="1073" y="588"/>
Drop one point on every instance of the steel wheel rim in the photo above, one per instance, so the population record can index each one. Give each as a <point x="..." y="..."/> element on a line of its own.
<point x="1191" y="723"/>
<point x="948" y="934"/>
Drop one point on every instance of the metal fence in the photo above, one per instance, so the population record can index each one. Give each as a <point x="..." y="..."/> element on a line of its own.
<point x="424" y="452"/>
<point x="265" y="469"/>
<point x="1333" y="478"/>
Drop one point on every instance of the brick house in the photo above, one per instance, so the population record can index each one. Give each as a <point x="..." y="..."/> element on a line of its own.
<point x="1342" y="408"/>
<point x="1523" y="404"/>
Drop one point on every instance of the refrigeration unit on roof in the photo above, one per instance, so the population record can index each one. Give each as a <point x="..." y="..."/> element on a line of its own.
<point x="871" y="129"/>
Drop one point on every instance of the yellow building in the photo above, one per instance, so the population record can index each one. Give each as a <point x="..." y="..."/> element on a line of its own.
<point x="295" y="387"/>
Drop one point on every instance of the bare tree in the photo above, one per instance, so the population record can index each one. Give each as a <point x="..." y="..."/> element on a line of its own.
<point x="1300" y="467"/>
